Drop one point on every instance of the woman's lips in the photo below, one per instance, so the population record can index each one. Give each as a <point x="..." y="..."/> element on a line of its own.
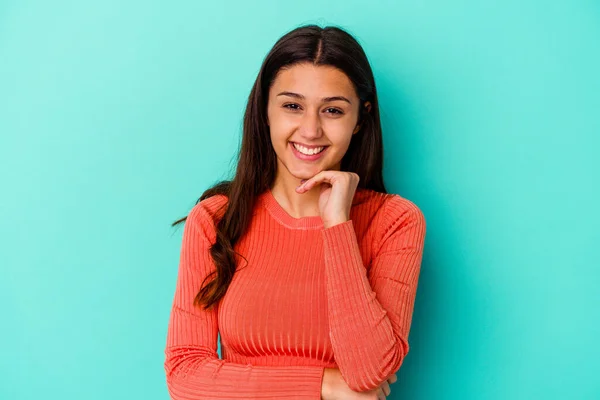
<point x="306" y="157"/>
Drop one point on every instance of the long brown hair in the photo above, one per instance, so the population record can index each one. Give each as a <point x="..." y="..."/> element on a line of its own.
<point x="257" y="164"/>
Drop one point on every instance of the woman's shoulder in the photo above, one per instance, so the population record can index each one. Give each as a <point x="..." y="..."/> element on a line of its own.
<point x="397" y="204"/>
<point x="371" y="196"/>
<point x="208" y="211"/>
<point x="399" y="213"/>
<point x="389" y="207"/>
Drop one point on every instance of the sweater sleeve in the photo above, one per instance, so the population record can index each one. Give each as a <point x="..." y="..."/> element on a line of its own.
<point x="370" y="311"/>
<point x="193" y="369"/>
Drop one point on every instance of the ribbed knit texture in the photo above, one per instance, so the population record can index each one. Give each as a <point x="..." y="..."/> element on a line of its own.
<point x="304" y="298"/>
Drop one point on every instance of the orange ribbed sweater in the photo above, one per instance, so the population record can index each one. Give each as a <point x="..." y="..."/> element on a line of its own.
<point x="305" y="298"/>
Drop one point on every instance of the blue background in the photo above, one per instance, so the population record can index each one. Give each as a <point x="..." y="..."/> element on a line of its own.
<point x="115" y="116"/>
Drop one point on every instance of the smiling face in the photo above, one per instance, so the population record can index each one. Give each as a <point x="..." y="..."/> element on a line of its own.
<point x="316" y="108"/>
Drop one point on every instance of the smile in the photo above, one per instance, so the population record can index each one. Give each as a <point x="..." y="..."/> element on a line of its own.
<point x="307" y="154"/>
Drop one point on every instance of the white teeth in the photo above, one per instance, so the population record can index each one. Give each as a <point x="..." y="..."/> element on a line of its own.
<point x="308" y="152"/>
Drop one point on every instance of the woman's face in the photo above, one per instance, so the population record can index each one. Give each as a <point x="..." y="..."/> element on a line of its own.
<point x="313" y="106"/>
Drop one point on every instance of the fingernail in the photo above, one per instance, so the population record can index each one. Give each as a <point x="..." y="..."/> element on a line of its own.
<point x="302" y="181"/>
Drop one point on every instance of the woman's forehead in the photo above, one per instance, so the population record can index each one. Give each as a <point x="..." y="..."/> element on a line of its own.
<point x="313" y="82"/>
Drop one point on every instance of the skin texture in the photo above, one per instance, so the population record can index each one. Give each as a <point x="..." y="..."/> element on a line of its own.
<point x="310" y="188"/>
<point x="312" y="121"/>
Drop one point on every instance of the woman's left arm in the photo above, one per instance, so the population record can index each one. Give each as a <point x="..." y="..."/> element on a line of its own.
<point x="370" y="311"/>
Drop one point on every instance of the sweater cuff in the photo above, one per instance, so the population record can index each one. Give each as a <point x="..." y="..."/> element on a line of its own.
<point x="341" y="246"/>
<point x="339" y="233"/>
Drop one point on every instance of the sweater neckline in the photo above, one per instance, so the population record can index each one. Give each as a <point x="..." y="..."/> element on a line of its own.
<point x="281" y="215"/>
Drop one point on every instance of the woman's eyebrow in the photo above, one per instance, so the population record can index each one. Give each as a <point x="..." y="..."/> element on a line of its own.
<point x="324" y="99"/>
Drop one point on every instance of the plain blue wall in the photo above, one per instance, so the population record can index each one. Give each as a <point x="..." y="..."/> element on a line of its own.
<point x="115" y="116"/>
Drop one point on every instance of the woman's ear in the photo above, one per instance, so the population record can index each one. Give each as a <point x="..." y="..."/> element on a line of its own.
<point x="367" y="109"/>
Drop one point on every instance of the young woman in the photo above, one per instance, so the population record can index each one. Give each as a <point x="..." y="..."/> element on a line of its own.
<point x="303" y="263"/>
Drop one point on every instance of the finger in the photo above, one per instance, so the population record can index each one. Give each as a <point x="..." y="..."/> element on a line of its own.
<point x="323" y="176"/>
<point x="385" y="387"/>
<point x="331" y="177"/>
<point x="393" y="378"/>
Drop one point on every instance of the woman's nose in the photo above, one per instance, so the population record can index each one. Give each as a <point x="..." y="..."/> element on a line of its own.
<point x="311" y="125"/>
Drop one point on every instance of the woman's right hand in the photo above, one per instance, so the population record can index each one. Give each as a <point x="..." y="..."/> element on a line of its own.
<point x="334" y="387"/>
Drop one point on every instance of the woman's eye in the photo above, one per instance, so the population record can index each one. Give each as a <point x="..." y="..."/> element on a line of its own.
<point x="295" y="107"/>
